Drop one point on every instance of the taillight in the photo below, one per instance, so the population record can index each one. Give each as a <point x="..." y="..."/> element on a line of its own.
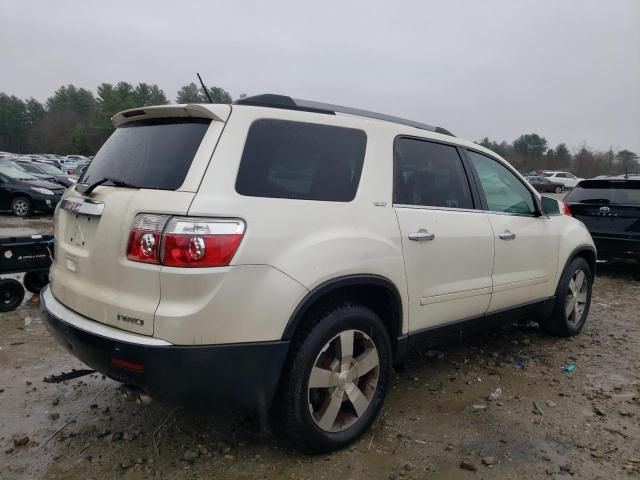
<point x="200" y="242"/>
<point x="184" y="241"/>
<point x="565" y="209"/>
<point x="144" y="238"/>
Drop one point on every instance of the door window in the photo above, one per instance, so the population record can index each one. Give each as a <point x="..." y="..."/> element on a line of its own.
<point x="503" y="191"/>
<point x="429" y="174"/>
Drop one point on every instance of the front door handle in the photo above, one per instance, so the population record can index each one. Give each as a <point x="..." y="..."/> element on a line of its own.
<point x="507" y="235"/>
<point x="421" y="236"/>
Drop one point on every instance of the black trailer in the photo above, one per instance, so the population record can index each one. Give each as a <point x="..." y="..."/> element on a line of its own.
<point x="29" y="254"/>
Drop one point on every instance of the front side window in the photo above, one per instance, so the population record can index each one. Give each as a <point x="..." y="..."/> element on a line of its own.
<point x="503" y="191"/>
<point x="305" y="161"/>
<point x="429" y="174"/>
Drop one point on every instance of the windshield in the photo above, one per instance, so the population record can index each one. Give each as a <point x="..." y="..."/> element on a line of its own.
<point x="546" y="174"/>
<point x="624" y="193"/>
<point x="154" y="153"/>
<point x="16" y="174"/>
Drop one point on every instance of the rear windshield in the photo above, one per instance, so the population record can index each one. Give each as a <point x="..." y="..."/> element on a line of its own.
<point x="154" y="153"/>
<point x="285" y="159"/>
<point x="606" y="192"/>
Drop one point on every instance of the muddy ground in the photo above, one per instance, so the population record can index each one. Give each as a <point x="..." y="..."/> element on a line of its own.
<point x="437" y="422"/>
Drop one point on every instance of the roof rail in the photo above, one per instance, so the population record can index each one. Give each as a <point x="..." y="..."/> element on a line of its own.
<point x="285" y="102"/>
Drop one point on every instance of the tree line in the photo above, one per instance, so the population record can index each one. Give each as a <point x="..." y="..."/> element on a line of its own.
<point x="532" y="152"/>
<point x="75" y="121"/>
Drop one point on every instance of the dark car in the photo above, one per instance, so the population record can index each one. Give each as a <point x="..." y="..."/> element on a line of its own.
<point x="23" y="194"/>
<point x="543" y="184"/>
<point x="610" y="208"/>
<point x="46" y="171"/>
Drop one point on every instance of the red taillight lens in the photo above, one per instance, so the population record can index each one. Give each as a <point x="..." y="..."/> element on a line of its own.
<point x="201" y="242"/>
<point x="144" y="238"/>
<point x="565" y="209"/>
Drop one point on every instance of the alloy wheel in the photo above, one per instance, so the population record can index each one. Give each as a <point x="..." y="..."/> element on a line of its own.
<point x="576" y="300"/>
<point x="20" y="207"/>
<point x="343" y="380"/>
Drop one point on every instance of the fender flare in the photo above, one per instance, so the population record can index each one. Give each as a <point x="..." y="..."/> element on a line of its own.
<point x="346" y="281"/>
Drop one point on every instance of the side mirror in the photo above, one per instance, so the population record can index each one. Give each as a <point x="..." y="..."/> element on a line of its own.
<point x="550" y="206"/>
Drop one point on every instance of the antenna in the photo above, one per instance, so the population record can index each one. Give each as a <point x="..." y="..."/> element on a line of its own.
<point x="206" y="91"/>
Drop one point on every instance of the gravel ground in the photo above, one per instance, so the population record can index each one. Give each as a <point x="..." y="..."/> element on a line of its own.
<point x="438" y="421"/>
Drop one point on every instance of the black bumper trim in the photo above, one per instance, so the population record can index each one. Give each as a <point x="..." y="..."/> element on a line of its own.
<point x="236" y="376"/>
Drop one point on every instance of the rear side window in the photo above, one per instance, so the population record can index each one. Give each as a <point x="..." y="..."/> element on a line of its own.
<point x="621" y="193"/>
<point x="154" y="153"/>
<point x="429" y="174"/>
<point x="285" y="159"/>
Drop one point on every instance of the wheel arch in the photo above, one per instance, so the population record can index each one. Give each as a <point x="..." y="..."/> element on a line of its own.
<point x="373" y="291"/>
<point x="588" y="252"/>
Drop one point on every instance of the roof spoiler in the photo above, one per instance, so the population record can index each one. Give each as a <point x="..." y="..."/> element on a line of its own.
<point x="216" y="112"/>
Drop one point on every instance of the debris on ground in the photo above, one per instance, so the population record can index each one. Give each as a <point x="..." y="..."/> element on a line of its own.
<point x="495" y="395"/>
<point x="569" y="367"/>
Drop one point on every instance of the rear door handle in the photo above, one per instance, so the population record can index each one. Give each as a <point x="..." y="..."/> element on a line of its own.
<point x="421" y="236"/>
<point x="507" y="235"/>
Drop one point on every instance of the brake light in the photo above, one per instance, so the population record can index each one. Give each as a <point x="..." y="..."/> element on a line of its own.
<point x="565" y="209"/>
<point x="144" y="238"/>
<point x="184" y="241"/>
<point x="200" y="242"/>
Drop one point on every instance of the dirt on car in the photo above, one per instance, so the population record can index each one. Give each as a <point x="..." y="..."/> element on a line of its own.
<point x="511" y="403"/>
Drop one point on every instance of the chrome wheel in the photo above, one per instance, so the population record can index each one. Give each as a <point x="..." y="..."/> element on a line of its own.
<point x="343" y="380"/>
<point x="20" y="207"/>
<point x="576" y="300"/>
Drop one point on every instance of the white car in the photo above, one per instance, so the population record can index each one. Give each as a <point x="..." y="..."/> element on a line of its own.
<point x="569" y="180"/>
<point x="284" y="249"/>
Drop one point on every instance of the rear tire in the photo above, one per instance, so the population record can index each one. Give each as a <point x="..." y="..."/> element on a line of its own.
<point x="573" y="299"/>
<point x="346" y="353"/>
<point x="11" y="294"/>
<point x="21" y="206"/>
<point x="558" y="189"/>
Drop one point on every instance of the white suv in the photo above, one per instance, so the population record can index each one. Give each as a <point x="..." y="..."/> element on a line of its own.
<point x="569" y="180"/>
<point x="283" y="249"/>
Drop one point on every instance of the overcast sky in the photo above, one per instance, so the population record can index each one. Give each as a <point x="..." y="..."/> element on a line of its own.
<point x="568" y="70"/>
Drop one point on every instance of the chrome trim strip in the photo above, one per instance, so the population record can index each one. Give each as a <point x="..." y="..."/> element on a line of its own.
<point x="467" y="210"/>
<point x="53" y="307"/>
<point x="82" y="205"/>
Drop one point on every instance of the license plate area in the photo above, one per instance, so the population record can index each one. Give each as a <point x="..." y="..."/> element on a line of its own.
<point x="81" y="230"/>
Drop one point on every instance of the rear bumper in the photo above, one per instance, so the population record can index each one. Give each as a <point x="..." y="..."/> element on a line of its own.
<point x="238" y="376"/>
<point x="616" y="247"/>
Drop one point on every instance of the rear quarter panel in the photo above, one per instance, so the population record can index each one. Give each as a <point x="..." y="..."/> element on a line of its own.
<point x="309" y="241"/>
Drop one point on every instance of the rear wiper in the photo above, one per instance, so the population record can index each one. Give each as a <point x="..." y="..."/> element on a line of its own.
<point x="595" y="200"/>
<point x="86" y="189"/>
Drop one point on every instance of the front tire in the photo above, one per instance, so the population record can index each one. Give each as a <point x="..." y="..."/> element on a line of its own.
<point x="21" y="206"/>
<point x="558" y="189"/>
<point x="338" y="379"/>
<point x="573" y="299"/>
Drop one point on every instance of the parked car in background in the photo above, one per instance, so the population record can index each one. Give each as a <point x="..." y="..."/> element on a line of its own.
<point x="610" y="208"/>
<point x="357" y="236"/>
<point x="569" y="180"/>
<point x="53" y="174"/>
<point x="544" y="184"/>
<point x="68" y="166"/>
<point x="23" y="193"/>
